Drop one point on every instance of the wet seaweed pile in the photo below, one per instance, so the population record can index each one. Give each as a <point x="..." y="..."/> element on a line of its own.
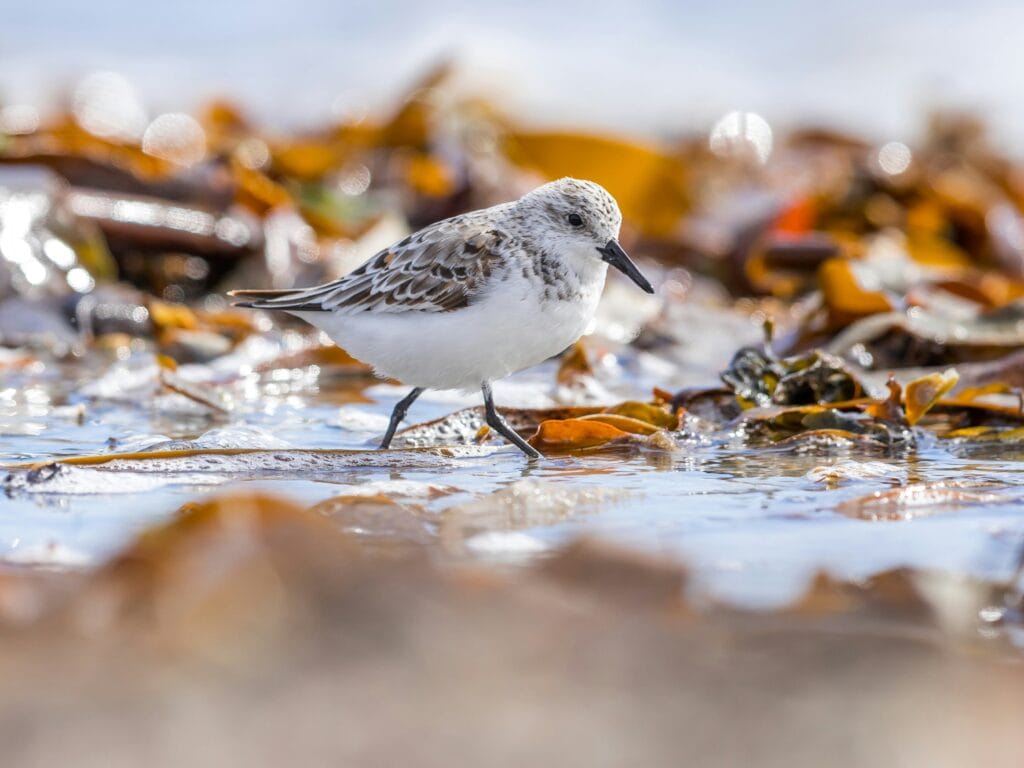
<point x="833" y="357"/>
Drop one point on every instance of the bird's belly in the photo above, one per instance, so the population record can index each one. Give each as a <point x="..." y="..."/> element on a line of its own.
<point x="460" y="349"/>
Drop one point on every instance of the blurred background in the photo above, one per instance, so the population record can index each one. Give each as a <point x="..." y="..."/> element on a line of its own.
<point x="778" y="521"/>
<point x="874" y="67"/>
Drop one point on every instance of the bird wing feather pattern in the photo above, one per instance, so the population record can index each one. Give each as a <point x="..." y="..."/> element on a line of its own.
<point x="441" y="268"/>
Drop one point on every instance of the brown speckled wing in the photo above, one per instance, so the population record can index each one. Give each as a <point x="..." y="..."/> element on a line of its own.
<point x="441" y="268"/>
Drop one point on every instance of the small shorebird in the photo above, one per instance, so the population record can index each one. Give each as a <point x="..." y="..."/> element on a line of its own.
<point x="475" y="297"/>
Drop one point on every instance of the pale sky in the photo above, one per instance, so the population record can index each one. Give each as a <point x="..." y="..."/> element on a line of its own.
<point x="640" y="67"/>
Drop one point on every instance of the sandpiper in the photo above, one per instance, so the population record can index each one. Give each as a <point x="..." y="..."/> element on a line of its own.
<point x="473" y="298"/>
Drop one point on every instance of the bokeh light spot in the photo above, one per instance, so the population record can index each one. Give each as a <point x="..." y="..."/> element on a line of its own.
<point x="18" y="119"/>
<point x="106" y="104"/>
<point x="175" y="137"/>
<point x="742" y="135"/>
<point x="894" y="158"/>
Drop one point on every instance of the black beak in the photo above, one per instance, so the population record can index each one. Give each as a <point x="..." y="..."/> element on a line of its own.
<point x="614" y="255"/>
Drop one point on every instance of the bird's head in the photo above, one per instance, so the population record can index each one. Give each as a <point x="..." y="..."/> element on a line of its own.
<point x="577" y="219"/>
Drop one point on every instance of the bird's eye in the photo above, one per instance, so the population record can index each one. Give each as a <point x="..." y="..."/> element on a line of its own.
<point x="575" y="219"/>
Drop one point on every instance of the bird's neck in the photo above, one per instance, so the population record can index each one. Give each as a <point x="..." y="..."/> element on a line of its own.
<point x="582" y="264"/>
<point x="568" y="277"/>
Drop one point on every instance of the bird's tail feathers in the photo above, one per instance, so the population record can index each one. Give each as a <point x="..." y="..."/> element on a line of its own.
<point x="259" y="298"/>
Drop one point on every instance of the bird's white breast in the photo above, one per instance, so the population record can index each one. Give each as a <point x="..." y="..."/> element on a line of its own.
<point x="509" y="328"/>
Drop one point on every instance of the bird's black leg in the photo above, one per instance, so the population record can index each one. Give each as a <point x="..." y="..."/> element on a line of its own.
<point x="398" y="414"/>
<point x="495" y="422"/>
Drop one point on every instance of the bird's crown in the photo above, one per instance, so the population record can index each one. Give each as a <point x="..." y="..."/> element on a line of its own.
<point x="574" y="203"/>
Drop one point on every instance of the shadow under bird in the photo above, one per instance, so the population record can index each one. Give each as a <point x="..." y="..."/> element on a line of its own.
<point x="473" y="298"/>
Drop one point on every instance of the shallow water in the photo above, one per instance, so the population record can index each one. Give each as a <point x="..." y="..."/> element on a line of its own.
<point x="752" y="524"/>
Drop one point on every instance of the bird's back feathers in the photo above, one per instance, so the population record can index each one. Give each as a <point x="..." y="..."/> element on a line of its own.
<point x="441" y="268"/>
